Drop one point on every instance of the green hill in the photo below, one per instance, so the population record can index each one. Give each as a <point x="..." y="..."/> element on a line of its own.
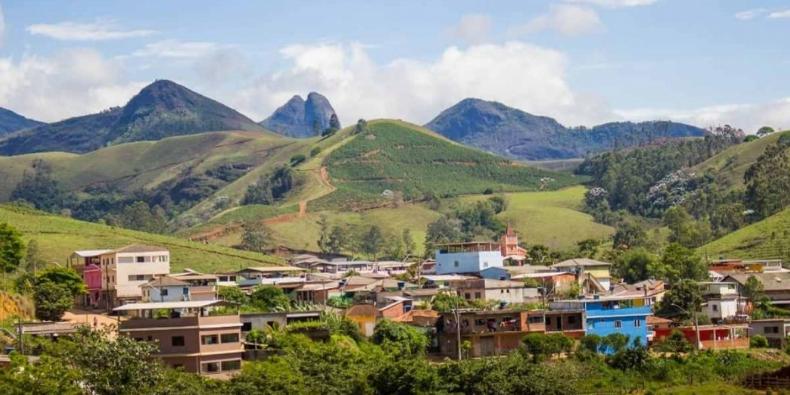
<point x="397" y="157"/>
<point x="769" y="238"/>
<point x="59" y="236"/>
<point x="729" y="166"/>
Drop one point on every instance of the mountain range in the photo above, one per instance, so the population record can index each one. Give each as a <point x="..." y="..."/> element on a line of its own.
<point x="11" y="122"/>
<point x="302" y="118"/>
<point x="506" y="131"/>
<point x="161" y="109"/>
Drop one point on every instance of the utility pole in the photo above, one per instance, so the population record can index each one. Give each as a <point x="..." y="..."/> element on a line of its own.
<point x="457" y="329"/>
<point x="698" y="343"/>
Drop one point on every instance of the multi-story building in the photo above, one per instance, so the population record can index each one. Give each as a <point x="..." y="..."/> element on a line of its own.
<point x="178" y="287"/>
<point x="501" y="331"/>
<point x="114" y="277"/>
<point x="472" y="258"/>
<point x="721" y="300"/>
<point x="606" y="315"/>
<point x="509" y="248"/>
<point x="189" y="338"/>
<point x="507" y="292"/>
<point x="596" y="273"/>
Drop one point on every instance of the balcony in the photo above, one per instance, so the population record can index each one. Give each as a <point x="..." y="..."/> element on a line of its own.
<point x="136" y="323"/>
<point x="594" y="312"/>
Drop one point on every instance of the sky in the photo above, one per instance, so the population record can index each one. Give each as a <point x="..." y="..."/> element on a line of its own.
<point x="582" y="62"/>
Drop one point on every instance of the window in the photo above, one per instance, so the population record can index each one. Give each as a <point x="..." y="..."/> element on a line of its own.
<point x="715" y="307"/>
<point x="210" y="339"/>
<point x="185" y="291"/>
<point x="456" y="263"/>
<point x="535" y="319"/>
<point x="485" y="264"/>
<point x="140" y="259"/>
<point x="231" y="365"/>
<point x="246" y="327"/>
<point x="177" y="341"/>
<point x="467" y="295"/>
<point x="229" y="338"/>
<point x="211" y="367"/>
<point x="477" y="295"/>
<point x="548" y="320"/>
<point x="139" y="339"/>
<point x="480" y="322"/>
<point x="571" y="319"/>
<point x="618" y="324"/>
<point x="163" y="292"/>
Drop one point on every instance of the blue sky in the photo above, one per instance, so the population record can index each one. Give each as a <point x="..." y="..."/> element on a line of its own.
<point x="580" y="61"/>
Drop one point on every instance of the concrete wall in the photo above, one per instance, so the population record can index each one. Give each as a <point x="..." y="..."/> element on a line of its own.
<point x="467" y="262"/>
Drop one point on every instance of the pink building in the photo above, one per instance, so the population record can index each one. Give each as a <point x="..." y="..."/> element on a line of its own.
<point x="92" y="276"/>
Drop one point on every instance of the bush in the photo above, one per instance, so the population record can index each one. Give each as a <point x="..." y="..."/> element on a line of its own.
<point x="400" y="339"/>
<point x="758" y="341"/>
<point x="315" y="151"/>
<point x="297" y="159"/>
<point x="676" y="342"/>
<point x="540" y="345"/>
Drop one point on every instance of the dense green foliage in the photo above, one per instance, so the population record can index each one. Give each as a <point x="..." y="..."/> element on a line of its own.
<point x="768" y="179"/>
<point x="271" y="188"/>
<point x="10" y="247"/>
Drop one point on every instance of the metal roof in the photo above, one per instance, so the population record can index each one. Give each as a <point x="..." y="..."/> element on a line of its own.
<point x="188" y="304"/>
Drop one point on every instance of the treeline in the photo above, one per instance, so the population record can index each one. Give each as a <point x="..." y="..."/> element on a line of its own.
<point x="364" y="240"/>
<point x="470" y="222"/>
<point x="392" y="362"/>
<point x="147" y="210"/>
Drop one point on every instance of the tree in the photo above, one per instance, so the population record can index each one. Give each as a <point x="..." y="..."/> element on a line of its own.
<point x="637" y="265"/>
<point x="372" y="241"/>
<point x="269" y="298"/>
<point x="445" y="302"/>
<point x="409" y="246"/>
<point x="315" y="151"/>
<point x="361" y="126"/>
<point x="629" y="235"/>
<point x="64" y="276"/>
<point x="41" y="190"/>
<point x="33" y="259"/>
<point x="541" y="346"/>
<point x="10" y="248"/>
<point x="52" y="300"/>
<point x="676" y="342"/>
<point x="400" y="339"/>
<point x="764" y="131"/>
<point x="588" y="247"/>
<point x="337" y="240"/>
<point x="680" y="301"/>
<point x="323" y="234"/>
<point x="684" y="229"/>
<point x="271" y="188"/>
<point x="256" y="237"/>
<point x="538" y="254"/>
<point x="119" y="365"/>
<point x="753" y="289"/>
<point x="768" y="179"/>
<point x="678" y="263"/>
<point x="139" y="216"/>
<point x="233" y="295"/>
<point x="443" y="230"/>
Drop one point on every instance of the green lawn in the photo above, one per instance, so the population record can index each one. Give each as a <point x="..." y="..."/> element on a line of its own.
<point x="59" y="236"/>
<point x="769" y="238"/>
<point x="552" y="218"/>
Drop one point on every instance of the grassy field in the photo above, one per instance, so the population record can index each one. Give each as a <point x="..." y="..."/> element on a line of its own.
<point x="59" y="236"/>
<point x="401" y="157"/>
<point x="730" y="165"/>
<point x="769" y="238"/>
<point x="552" y="218"/>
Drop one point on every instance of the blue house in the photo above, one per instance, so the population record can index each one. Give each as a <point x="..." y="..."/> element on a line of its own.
<point x="472" y="257"/>
<point x="612" y="314"/>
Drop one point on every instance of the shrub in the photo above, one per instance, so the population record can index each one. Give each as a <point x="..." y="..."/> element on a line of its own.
<point x="540" y="345"/>
<point x="297" y="159"/>
<point x="758" y="341"/>
<point x="315" y="151"/>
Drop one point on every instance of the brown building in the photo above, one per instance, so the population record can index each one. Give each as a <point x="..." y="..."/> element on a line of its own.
<point x="500" y="331"/>
<point x="189" y="338"/>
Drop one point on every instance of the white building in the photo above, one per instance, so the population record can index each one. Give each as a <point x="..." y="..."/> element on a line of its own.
<point x="127" y="268"/>
<point x="721" y="300"/>
<point x="470" y="257"/>
<point x="180" y="287"/>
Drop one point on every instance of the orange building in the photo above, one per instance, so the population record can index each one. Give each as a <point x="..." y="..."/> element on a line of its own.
<point x="509" y="248"/>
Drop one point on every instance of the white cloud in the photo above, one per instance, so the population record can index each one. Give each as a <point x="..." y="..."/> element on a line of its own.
<point x="615" y="3"/>
<point x="750" y="14"/>
<point x="748" y="116"/>
<point x="2" y="25"/>
<point x="521" y="75"/>
<point x="178" y="49"/>
<point x="779" y="14"/>
<point x="472" y="28"/>
<point x="72" y="82"/>
<point x="99" y="30"/>
<point x="566" y="19"/>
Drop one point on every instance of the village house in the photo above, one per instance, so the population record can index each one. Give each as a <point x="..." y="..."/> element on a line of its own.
<point x="178" y="287"/>
<point x="114" y="277"/>
<point x="509" y="248"/>
<point x="317" y="291"/>
<point x="592" y="275"/>
<point x="275" y="319"/>
<point x="732" y="266"/>
<point x="721" y="301"/>
<point x="501" y="331"/>
<point x="653" y="289"/>
<point x="505" y="292"/>
<point x="776" y="285"/>
<point x="554" y="283"/>
<point x="776" y="330"/>
<point x="468" y="258"/>
<point x="711" y="337"/>
<point x="188" y="338"/>
<point x="605" y="315"/>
